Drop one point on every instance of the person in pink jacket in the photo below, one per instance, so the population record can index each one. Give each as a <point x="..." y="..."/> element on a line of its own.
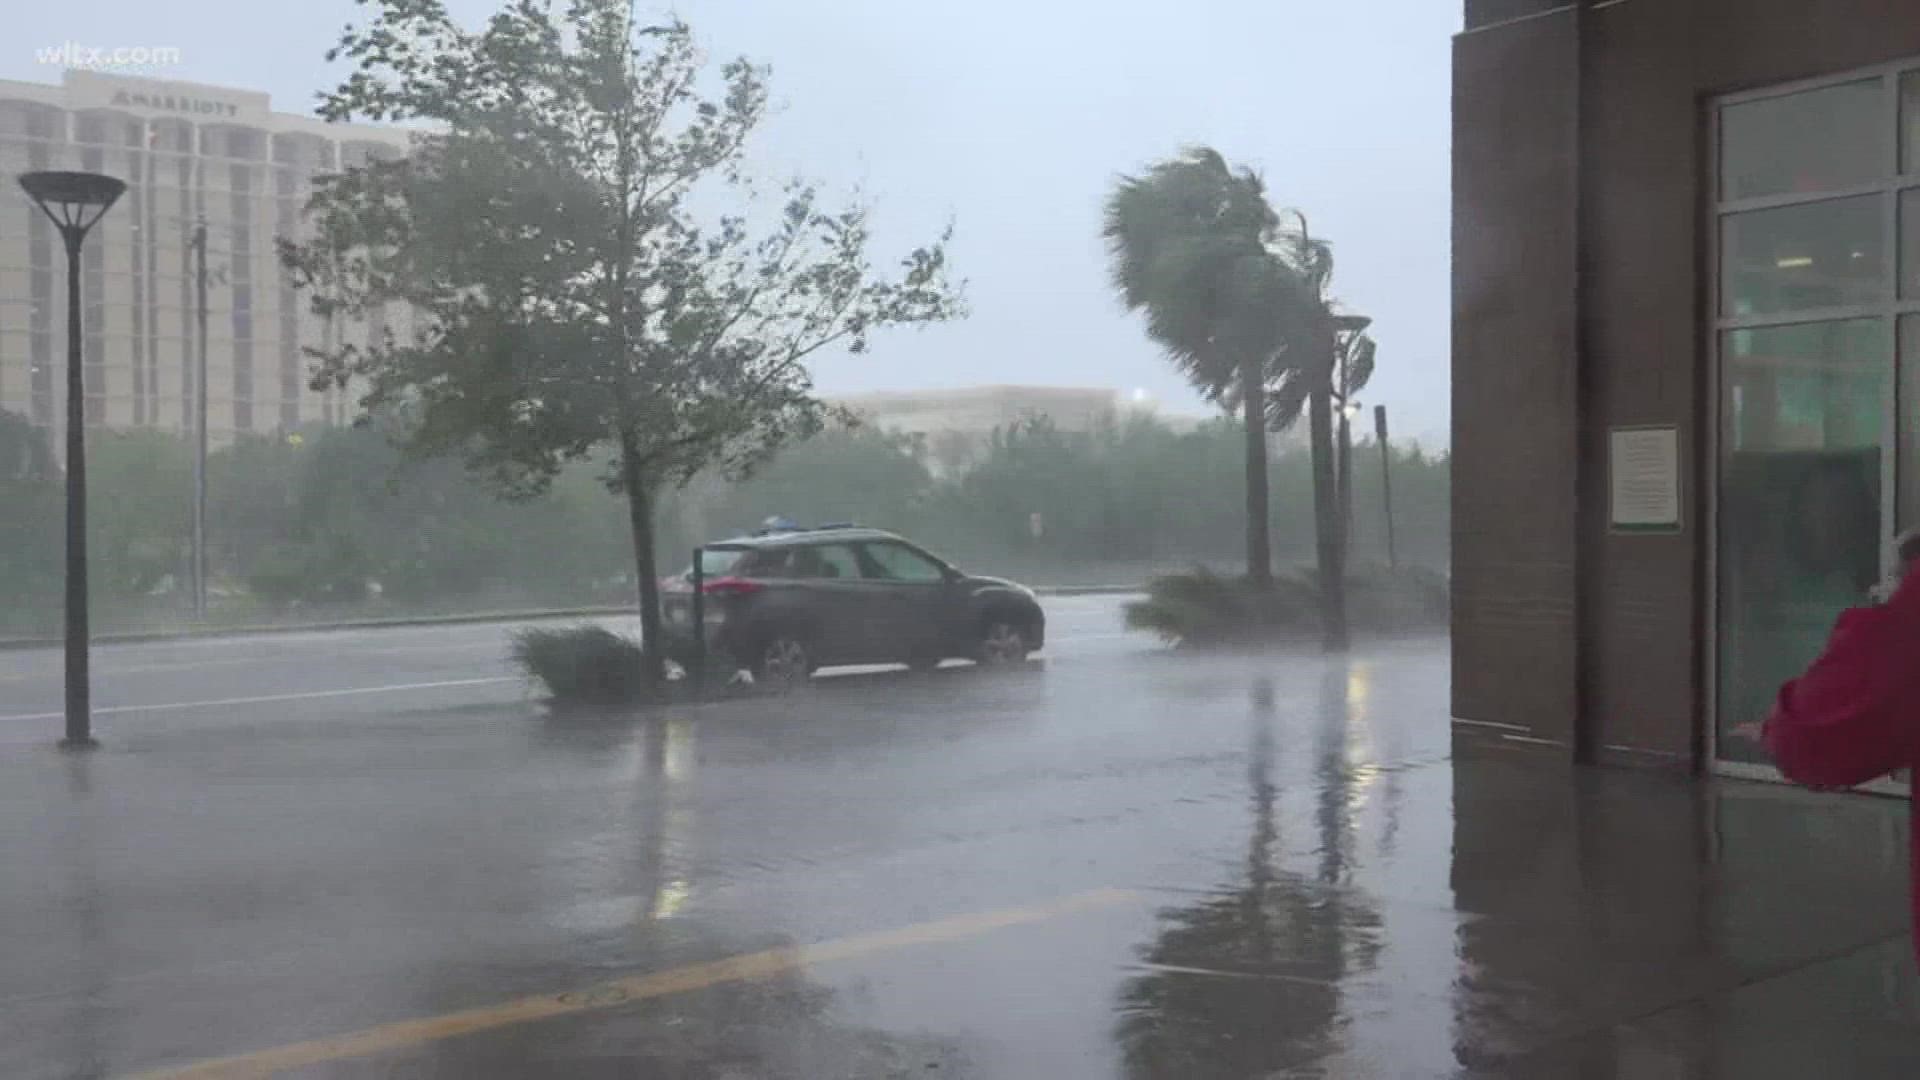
<point x="1854" y="715"/>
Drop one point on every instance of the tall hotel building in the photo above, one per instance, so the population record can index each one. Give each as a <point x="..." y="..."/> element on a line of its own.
<point x="189" y="153"/>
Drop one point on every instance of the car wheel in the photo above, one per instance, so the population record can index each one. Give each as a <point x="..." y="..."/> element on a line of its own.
<point x="1001" y="642"/>
<point x="784" y="662"/>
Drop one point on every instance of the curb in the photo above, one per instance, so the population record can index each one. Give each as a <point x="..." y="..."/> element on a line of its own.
<point x="214" y="632"/>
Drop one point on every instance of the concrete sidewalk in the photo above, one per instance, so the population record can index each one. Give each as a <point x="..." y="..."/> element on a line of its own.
<point x="1118" y="862"/>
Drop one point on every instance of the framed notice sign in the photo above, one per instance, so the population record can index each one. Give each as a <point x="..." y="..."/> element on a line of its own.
<point x="1643" y="468"/>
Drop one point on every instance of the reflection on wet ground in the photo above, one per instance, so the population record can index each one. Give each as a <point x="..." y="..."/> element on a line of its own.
<point x="1116" y="863"/>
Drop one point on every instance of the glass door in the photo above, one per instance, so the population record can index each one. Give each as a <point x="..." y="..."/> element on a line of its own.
<point x="1800" y="518"/>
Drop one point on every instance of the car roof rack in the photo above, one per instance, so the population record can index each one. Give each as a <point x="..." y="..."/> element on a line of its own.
<point x="789" y="530"/>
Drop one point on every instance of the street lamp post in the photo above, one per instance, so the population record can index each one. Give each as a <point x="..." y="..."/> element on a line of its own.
<point x="74" y="202"/>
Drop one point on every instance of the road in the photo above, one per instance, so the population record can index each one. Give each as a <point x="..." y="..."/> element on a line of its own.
<point x="147" y="688"/>
<point x="371" y="854"/>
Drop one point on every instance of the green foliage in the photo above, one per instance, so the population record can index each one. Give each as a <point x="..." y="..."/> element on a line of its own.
<point x="341" y="516"/>
<point x="327" y="570"/>
<point x="30" y="536"/>
<point x="138" y="539"/>
<point x="356" y="513"/>
<point x="858" y="474"/>
<point x="583" y="666"/>
<point x="1201" y="608"/>
<point x="1194" y="245"/>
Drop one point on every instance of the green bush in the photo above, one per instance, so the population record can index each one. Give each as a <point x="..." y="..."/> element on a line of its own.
<point x="307" y="574"/>
<point x="1203" y="608"/>
<point x="583" y="666"/>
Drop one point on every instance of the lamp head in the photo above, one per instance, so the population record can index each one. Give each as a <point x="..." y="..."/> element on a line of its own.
<point x="74" y="201"/>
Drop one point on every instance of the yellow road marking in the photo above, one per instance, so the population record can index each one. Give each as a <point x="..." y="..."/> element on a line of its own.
<point x="749" y="966"/>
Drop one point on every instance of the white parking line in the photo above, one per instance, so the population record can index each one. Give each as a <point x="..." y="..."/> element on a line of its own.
<point x="271" y="699"/>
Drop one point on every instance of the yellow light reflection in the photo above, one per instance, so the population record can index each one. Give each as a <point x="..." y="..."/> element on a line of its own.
<point x="681" y="756"/>
<point x="670" y="898"/>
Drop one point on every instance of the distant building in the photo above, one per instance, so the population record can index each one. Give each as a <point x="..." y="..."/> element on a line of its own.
<point x="187" y="152"/>
<point x="956" y="424"/>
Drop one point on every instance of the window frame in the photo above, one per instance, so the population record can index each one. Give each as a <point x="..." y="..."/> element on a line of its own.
<point x="1895" y="309"/>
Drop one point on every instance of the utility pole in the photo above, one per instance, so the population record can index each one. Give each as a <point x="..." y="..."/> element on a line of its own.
<point x="200" y="422"/>
<point x="1386" y="479"/>
<point x="1343" y="479"/>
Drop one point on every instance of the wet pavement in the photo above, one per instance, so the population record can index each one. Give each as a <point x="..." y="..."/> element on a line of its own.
<point x="370" y="855"/>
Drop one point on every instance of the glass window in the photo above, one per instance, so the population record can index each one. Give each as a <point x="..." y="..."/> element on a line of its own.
<point x="1800" y="530"/>
<point x="1818" y="140"/>
<point x="896" y="562"/>
<point x="1798" y="258"/>
<point x="760" y="564"/>
<point x="824" y="561"/>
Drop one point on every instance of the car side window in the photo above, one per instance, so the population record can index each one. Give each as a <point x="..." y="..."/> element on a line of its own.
<point x="825" y="561"/>
<point x="763" y="564"/>
<point x="896" y="562"/>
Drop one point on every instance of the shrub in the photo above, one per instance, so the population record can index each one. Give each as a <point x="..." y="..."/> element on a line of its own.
<point x="300" y="573"/>
<point x="1203" y="608"/>
<point x="583" y="665"/>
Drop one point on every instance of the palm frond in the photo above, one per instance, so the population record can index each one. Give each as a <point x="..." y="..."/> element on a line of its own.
<point x="1359" y="366"/>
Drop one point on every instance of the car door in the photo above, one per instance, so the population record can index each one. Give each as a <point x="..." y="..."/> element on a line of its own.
<point x="914" y="600"/>
<point x="834" y="599"/>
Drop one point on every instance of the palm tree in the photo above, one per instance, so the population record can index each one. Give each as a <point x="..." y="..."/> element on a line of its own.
<point x="1191" y="243"/>
<point x="1327" y="360"/>
<point x="1241" y="305"/>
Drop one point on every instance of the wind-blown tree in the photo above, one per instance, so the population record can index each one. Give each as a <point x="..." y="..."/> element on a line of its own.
<point x="1190" y="246"/>
<point x="1240" y="306"/>
<point x="1326" y="360"/>
<point x="553" y="228"/>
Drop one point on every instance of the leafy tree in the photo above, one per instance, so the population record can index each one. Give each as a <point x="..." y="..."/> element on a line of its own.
<point x="550" y="232"/>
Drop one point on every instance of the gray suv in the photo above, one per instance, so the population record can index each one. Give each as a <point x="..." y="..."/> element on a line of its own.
<point x="786" y="603"/>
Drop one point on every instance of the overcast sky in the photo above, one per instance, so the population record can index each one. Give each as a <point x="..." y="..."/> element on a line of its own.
<point x="1012" y="119"/>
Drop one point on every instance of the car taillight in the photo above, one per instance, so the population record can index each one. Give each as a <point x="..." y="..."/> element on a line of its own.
<point x="731" y="586"/>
